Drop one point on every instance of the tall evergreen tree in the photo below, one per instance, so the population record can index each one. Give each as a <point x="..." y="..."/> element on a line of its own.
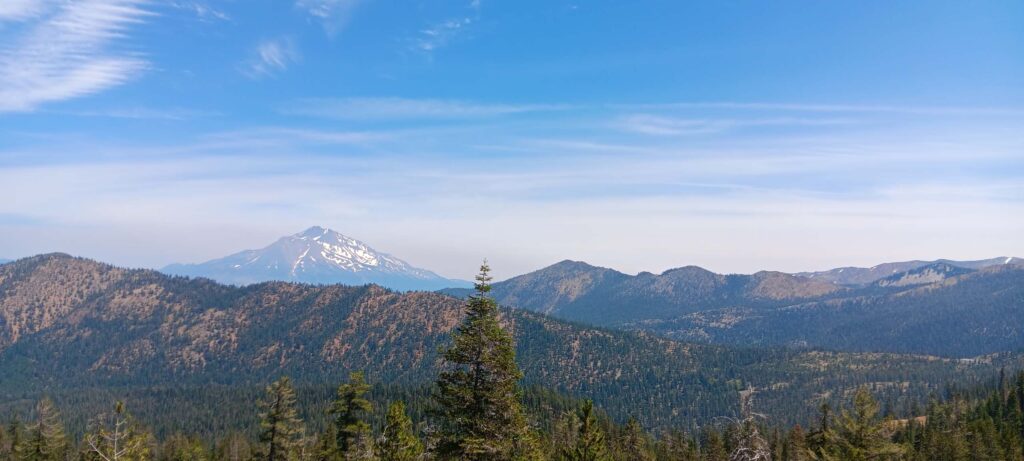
<point x="712" y="446"/>
<point x="179" y="447"/>
<point x="327" y="445"/>
<point x="350" y="408"/>
<point x="634" y="444"/>
<point x="858" y="434"/>
<point x="590" y="441"/>
<point x="397" y="441"/>
<point x="477" y="392"/>
<point x="679" y="447"/>
<point x="796" y="445"/>
<point x="281" y="429"/>
<point x="45" y="440"/>
<point x="4" y="450"/>
<point x="12" y="446"/>
<point x="233" y="447"/>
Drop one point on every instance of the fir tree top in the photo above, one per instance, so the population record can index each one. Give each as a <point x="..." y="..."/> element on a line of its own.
<point x="483" y="280"/>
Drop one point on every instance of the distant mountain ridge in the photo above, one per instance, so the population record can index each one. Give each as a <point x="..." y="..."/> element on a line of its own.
<point x="578" y="291"/>
<point x="937" y="309"/>
<point x="954" y="308"/>
<point x="319" y="256"/>
<point x="867" y="275"/>
<point x="931" y="273"/>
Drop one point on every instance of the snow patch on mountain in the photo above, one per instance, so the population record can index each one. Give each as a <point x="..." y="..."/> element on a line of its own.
<point x="317" y="255"/>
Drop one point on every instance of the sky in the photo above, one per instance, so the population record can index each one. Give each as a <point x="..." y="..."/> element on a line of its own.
<point x="733" y="135"/>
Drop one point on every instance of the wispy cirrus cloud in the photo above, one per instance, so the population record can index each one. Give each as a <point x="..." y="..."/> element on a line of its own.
<point x="442" y="33"/>
<point x="67" y="50"/>
<point x="144" y="113"/>
<point x="17" y="10"/>
<point x="676" y="126"/>
<point x="824" y="107"/>
<point x="405" y="108"/>
<point x="333" y="14"/>
<point x="271" y="57"/>
<point x="202" y="10"/>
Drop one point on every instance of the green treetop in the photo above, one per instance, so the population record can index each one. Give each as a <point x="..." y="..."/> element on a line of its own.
<point x="477" y="394"/>
<point x="281" y="429"/>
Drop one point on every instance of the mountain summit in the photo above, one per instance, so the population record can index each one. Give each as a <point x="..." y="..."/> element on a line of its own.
<point x="316" y="255"/>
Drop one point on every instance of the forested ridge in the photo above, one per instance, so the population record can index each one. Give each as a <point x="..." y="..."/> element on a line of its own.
<point x="946" y="308"/>
<point x="476" y="410"/>
<point x="74" y="329"/>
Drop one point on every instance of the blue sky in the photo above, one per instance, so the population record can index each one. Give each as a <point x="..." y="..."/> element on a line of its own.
<point x="639" y="135"/>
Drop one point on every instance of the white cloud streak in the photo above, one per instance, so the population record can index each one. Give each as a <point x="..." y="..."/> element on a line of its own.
<point x="403" y="108"/>
<point x="440" y="34"/>
<point x="19" y="10"/>
<point x="334" y="15"/>
<point x="69" y="52"/>
<point x="851" y="108"/>
<point x="202" y="10"/>
<point x="272" y="57"/>
<point x="676" y="126"/>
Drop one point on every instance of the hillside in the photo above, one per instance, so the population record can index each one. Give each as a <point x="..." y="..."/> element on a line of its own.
<point x="856" y="276"/>
<point x="580" y="292"/>
<point x="942" y="308"/>
<point x="68" y="323"/>
<point x="975" y="312"/>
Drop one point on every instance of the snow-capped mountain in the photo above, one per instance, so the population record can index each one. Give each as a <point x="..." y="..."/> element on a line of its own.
<point x="317" y="255"/>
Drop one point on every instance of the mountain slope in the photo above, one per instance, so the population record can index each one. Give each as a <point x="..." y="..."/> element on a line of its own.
<point x="947" y="311"/>
<point x="581" y="292"/>
<point x="69" y="323"/>
<point x="931" y="273"/>
<point x="943" y="307"/>
<point x="866" y="275"/>
<point x="320" y="256"/>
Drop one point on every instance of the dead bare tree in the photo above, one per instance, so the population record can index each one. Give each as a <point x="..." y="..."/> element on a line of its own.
<point x="114" y="437"/>
<point x="750" y="444"/>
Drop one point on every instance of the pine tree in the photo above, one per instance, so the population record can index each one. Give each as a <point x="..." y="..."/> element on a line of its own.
<point x="634" y="442"/>
<point x="712" y="446"/>
<point x="477" y="394"/>
<point x="796" y="445"/>
<point x="281" y="429"/>
<point x="327" y="445"/>
<point x="355" y="441"/>
<point x="398" y="442"/>
<point x="179" y="447"/>
<point x="13" y="445"/>
<point x="233" y="447"/>
<point x="115" y="437"/>
<point x="4" y="449"/>
<point x="590" y="441"/>
<point x="45" y="441"/>
<point x="858" y="433"/>
<point x="679" y="447"/>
